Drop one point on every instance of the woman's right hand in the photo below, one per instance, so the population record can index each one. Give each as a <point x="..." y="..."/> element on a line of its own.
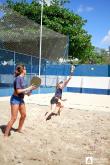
<point x="32" y="87"/>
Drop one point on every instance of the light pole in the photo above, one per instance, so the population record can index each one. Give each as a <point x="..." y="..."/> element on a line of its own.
<point x="40" y="51"/>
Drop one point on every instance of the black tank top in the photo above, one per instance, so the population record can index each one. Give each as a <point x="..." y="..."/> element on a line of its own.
<point x="58" y="93"/>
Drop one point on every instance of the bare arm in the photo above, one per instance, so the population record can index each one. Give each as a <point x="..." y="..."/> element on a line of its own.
<point x="71" y="73"/>
<point x="18" y="91"/>
<point x="66" y="81"/>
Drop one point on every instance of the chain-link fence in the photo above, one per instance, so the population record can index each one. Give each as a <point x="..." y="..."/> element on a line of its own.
<point x="20" y="43"/>
<point x="20" y="34"/>
<point x="50" y="73"/>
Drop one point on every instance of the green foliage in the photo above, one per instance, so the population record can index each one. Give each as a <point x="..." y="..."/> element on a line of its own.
<point x="103" y="56"/>
<point x="61" y="20"/>
<point x="59" y="2"/>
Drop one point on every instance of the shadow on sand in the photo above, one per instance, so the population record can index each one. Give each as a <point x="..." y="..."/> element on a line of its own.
<point x="3" y="127"/>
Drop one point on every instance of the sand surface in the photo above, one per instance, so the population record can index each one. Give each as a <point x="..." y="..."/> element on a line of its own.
<point x="82" y="131"/>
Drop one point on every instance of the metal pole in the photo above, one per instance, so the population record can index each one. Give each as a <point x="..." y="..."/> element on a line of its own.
<point x="14" y="60"/>
<point x="40" y="52"/>
<point x="31" y="68"/>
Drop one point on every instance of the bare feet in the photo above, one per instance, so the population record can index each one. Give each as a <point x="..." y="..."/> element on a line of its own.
<point x="46" y="113"/>
<point x="19" y="131"/>
<point x="6" y="136"/>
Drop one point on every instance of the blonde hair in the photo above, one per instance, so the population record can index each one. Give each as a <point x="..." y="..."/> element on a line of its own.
<point x="19" y="70"/>
<point x="58" y="83"/>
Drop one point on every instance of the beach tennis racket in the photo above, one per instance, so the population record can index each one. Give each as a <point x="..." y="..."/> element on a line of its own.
<point x="72" y="68"/>
<point x="35" y="81"/>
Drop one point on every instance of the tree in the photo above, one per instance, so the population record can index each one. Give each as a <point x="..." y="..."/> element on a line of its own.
<point x="59" y="2"/>
<point x="102" y="55"/>
<point x="63" y="21"/>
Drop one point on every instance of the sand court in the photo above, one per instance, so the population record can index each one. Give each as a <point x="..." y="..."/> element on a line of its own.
<point x="81" y="131"/>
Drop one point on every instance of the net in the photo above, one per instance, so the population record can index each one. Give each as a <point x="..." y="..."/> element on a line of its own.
<point x="19" y="34"/>
<point x="20" y="43"/>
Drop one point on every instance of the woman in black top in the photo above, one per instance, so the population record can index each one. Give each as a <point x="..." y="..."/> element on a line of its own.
<point x="56" y="101"/>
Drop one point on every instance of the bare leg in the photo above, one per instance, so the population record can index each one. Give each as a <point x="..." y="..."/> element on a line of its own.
<point x="59" y="107"/>
<point x="22" y="111"/>
<point x="51" y="112"/>
<point x="14" y="113"/>
<point x="58" y="112"/>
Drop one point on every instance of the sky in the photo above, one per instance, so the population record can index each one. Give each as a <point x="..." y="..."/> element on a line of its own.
<point x="97" y="14"/>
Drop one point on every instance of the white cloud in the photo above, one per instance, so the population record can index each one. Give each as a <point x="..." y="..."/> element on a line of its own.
<point x="83" y="8"/>
<point x="48" y="2"/>
<point x="106" y="39"/>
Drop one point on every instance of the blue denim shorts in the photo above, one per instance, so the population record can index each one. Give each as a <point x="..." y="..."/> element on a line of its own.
<point x="16" y="100"/>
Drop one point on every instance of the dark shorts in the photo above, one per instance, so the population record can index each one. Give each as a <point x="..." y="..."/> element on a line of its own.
<point x="16" y="100"/>
<point x="54" y="100"/>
